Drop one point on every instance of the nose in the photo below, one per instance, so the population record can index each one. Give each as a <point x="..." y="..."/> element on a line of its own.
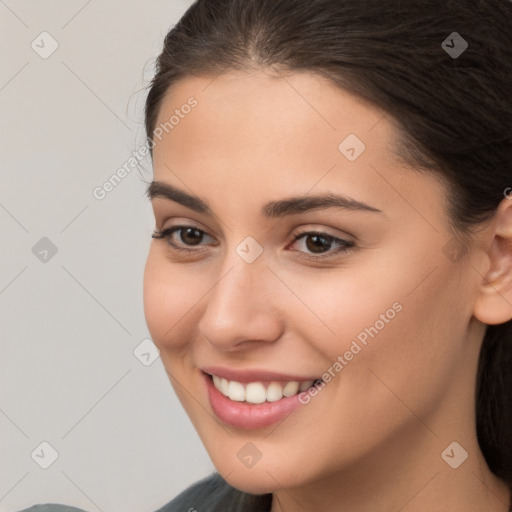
<point x="242" y="308"/>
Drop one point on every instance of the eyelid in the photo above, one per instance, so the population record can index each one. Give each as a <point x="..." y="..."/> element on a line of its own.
<point x="326" y="231"/>
<point x="184" y="222"/>
<point x="345" y="246"/>
<point x="320" y="230"/>
<point x="167" y="232"/>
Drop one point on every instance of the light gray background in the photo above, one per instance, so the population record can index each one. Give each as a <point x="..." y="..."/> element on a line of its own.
<point x="69" y="326"/>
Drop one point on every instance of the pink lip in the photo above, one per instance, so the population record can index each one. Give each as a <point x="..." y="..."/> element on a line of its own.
<point x="245" y="415"/>
<point x="254" y="375"/>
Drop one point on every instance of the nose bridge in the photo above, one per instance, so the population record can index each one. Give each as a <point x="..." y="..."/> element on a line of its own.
<point x="238" y="307"/>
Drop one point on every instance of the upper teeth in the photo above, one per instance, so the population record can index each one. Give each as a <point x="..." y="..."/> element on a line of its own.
<point x="255" y="392"/>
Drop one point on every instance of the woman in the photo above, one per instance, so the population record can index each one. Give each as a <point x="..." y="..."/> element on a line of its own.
<point x="397" y="295"/>
<point x="330" y="277"/>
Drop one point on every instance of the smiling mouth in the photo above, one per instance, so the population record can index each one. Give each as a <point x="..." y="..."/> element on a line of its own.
<point x="259" y="392"/>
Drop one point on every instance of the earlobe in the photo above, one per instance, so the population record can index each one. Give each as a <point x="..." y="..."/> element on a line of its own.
<point x="494" y="302"/>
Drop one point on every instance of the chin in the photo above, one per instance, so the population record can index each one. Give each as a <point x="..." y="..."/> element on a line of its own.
<point x="266" y="476"/>
<point x="253" y="482"/>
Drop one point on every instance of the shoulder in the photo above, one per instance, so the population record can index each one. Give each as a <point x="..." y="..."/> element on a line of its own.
<point x="214" y="494"/>
<point x="211" y="494"/>
<point x="52" y="507"/>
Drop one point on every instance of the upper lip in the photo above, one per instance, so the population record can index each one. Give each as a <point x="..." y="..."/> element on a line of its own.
<point x="254" y="375"/>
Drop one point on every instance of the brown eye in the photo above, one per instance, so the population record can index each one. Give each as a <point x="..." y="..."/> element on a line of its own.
<point x="191" y="236"/>
<point x="188" y="236"/>
<point x="322" y="245"/>
<point x="316" y="243"/>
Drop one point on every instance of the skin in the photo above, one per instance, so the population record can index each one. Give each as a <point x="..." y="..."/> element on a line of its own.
<point x="372" y="439"/>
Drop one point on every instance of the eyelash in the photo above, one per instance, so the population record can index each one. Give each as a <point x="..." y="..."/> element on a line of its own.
<point x="346" y="246"/>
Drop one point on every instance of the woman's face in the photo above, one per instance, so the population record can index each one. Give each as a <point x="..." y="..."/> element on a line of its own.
<point x="371" y="298"/>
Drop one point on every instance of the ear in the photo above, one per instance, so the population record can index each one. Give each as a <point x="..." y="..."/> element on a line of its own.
<point x="494" y="301"/>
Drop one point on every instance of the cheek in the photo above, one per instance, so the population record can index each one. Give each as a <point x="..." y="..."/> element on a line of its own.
<point x="170" y="296"/>
<point x="396" y="324"/>
<point x="338" y="306"/>
<point x="412" y="357"/>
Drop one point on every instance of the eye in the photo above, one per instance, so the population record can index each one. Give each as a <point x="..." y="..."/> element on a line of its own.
<point x="317" y="244"/>
<point x="320" y="244"/>
<point x="188" y="235"/>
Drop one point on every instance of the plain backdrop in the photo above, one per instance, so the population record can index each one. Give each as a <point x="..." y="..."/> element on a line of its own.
<point x="77" y="392"/>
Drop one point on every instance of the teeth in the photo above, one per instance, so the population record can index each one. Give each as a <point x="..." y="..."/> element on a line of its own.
<point x="255" y="392"/>
<point x="274" y="392"/>
<point x="221" y="384"/>
<point x="236" y="391"/>
<point x="291" y="388"/>
<point x="306" y="385"/>
<point x="224" y="386"/>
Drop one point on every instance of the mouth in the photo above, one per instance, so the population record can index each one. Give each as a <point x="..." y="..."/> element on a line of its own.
<point x="260" y="391"/>
<point x="242" y="401"/>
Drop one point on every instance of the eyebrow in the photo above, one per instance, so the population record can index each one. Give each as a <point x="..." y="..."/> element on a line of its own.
<point x="281" y="208"/>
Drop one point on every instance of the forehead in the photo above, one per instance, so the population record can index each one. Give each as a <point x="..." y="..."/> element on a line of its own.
<point x="271" y="133"/>
<point x="277" y="105"/>
<point x="265" y="115"/>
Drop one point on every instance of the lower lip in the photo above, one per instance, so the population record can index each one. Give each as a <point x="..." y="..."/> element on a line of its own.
<point x="249" y="416"/>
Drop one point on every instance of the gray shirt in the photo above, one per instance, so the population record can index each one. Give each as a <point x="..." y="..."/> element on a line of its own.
<point x="211" y="494"/>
